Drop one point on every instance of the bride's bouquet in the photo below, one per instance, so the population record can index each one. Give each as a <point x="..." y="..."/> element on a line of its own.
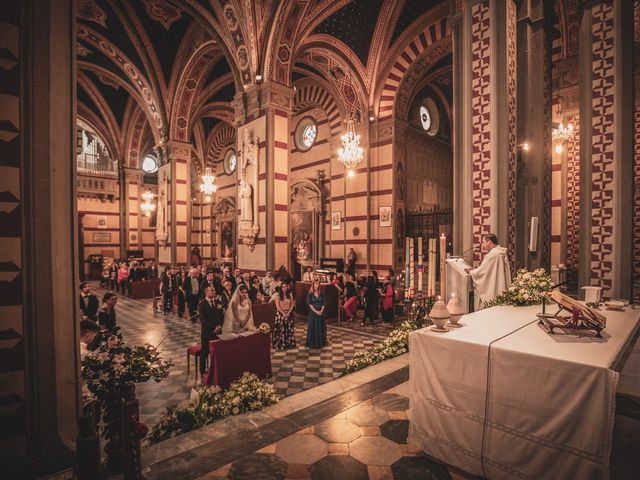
<point x="264" y="328"/>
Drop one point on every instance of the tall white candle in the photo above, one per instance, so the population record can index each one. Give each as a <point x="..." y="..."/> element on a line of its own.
<point x="443" y="264"/>
<point x="420" y="265"/>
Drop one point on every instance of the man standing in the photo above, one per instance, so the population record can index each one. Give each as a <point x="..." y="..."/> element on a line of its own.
<point x="168" y="285"/>
<point x="207" y="282"/>
<point x="88" y="302"/>
<point x="192" y="293"/>
<point x="211" y="314"/>
<point x="493" y="276"/>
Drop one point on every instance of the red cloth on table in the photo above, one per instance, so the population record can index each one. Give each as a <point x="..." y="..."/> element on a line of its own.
<point x="229" y="359"/>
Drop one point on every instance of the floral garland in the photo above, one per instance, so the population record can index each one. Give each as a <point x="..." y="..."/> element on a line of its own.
<point x="526" y="289"/>
<point x="247" y="394"/>
<point x="395" y="344"/>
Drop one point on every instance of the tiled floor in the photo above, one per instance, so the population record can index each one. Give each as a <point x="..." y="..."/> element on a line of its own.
<point x="294" y="370"/>
<point x="367" y="441"/>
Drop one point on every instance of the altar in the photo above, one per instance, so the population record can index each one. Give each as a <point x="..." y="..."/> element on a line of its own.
<point x="502" y="398"/>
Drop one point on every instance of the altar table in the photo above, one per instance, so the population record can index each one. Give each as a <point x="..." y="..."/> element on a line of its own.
<point x="502" y="398"/>
<point x="229" y="359"/>
<point x="145" y="288"/>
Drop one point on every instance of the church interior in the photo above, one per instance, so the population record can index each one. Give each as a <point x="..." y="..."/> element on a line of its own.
<point x="399" y="193"/>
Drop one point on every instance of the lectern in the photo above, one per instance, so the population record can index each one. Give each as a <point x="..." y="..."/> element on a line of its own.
<point x="459" y="282"/>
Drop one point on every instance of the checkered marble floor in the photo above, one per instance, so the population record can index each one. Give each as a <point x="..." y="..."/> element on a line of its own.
<point x="367" y="441"/>
<point x="294" y="370"/>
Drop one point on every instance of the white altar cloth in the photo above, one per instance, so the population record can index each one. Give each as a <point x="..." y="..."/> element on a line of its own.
<point x="549" y="399"/>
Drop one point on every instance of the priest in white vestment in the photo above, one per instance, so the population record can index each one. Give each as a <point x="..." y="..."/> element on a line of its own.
<point x="493" y="276"/>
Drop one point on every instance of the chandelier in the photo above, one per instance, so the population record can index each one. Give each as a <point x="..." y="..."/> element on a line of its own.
<point x="351" y="153"/>
<point x="208" y="186"/>
<point x="148" y="206"/>
<point x="561" y="133"/>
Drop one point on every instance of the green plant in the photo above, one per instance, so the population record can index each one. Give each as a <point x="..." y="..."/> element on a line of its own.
<point x="107" y="370"/>
<point x="526" y="289"/>
<point x="211" y="404"/>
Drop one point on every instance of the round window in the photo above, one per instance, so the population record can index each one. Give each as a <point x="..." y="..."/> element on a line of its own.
<point x="306" y="134"/>
<point x="429" y="117"/>
<point x="230" y="161"/>
<point x="149" y="164"/>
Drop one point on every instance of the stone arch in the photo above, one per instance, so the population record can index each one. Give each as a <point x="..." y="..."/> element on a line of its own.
<point x="221" y="137"/>
<point x="310" y="93"/>
<point x="434" y="39"/>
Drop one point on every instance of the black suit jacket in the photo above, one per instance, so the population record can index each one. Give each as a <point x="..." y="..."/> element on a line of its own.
<point x="188" y="291"/>
<point x="205" y="283"/>
<point x="210" y="318"/>
<point x="90" y="310"/>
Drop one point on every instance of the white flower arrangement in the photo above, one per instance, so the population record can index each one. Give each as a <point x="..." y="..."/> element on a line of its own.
<point x="264" y="328"/>
<point x="210" y="404"/>
<point x="526" y="289"/>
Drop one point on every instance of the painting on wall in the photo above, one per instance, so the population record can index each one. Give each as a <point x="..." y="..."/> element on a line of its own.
<point x="227" y="239"/>
<point x="302" y="235"/>
<point x="101" y="221"/>
<point x="336" y="220"/>
<point x="101" y="237"/>
<point x="385" y="216"/>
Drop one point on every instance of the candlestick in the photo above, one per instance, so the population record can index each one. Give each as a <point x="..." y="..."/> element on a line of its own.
<point x="420" y="265"/>
<point x="443" y="265"/>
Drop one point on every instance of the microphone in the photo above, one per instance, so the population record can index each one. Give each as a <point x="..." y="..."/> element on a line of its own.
<point x="464" y="254"/>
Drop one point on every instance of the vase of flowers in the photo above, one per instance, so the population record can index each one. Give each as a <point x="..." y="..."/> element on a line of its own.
<point x="526" y="289"/>
<point x="108" y="371"/>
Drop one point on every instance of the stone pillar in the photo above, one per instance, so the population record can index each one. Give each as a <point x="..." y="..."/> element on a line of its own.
<point x="265" y="116"/>
<point x="39" y="387"/>
<point x="534" y="126"/>
<point x="180" y="162"/>
<point x="606" y="147"/>
<point x="484" y="37"/>
<point x="133" y="189"/>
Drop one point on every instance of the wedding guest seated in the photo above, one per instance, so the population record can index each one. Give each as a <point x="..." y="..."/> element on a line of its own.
<point x="239" y="317"/>
<point x="89" y="303"/>
<point x="107" y="313"/>
<point x="92" y="337"/>
<point x="257" y="293"/>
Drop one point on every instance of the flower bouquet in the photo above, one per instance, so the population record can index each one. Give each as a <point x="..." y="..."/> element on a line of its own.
<point x="264" y="328"/>
<point x="526" y="289"/>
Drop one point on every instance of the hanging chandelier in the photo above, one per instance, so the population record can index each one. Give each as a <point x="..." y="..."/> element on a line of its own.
<point x="351" y="153"/>
<point x="561" y="133"/>
<point x="148" y="206"/>
<point x="208" y="186"/>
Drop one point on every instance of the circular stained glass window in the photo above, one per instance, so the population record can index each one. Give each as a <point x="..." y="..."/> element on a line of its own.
<point x="306" y="134"/>
<point x="425" y="118"/>
<point x="149" y="164"/>
<point x="230" y="161"/>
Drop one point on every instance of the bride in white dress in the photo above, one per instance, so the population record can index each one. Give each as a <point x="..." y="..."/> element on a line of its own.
<point x="239" y="318"/>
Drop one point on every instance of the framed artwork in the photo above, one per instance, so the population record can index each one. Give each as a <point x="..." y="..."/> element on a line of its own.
<point x="227" y="239"/>
<point x="385" y="216"/>
<point x="302" y="233"/>
<point x="101" y="221"/>
<point x="336" y="220"/>
<point x="101" y="237"/>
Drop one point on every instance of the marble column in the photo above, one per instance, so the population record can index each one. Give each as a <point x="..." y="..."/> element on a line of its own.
<point x="534" y="128"/>
<point x="484" y="58"/>
<point x="133" y="189"/>
<point x="39" y="375"/>
<point x="606" y="147"/>
<point x="265" y="111"/>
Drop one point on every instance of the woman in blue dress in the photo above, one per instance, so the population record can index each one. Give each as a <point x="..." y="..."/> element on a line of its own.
<point x="316" y="331"/>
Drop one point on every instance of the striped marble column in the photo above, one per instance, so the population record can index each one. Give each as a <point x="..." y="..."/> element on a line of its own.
<point x="267" y="108"/>
<point x="484" y="38"/>
<point x="132" y="195"/>
<point x="606" y="147"/>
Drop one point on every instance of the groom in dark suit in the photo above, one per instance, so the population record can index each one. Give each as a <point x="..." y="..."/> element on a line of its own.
<point x="88" y="302"/>
<point x="211" y="314"/>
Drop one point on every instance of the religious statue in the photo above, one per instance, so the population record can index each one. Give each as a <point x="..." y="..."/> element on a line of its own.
<point x="161" y="222"/>
<point x="248" y="226"/>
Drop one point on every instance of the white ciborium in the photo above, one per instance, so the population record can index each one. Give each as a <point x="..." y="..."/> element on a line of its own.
<point x="439" y="315"/>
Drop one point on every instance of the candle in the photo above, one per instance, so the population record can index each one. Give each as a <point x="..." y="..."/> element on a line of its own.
<point x="443" y="265"/>
<point x="430" y="267"/>
<point x="420" y="265"/>
<point x="412" y="268"/>
<point x="406" y="269"/>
